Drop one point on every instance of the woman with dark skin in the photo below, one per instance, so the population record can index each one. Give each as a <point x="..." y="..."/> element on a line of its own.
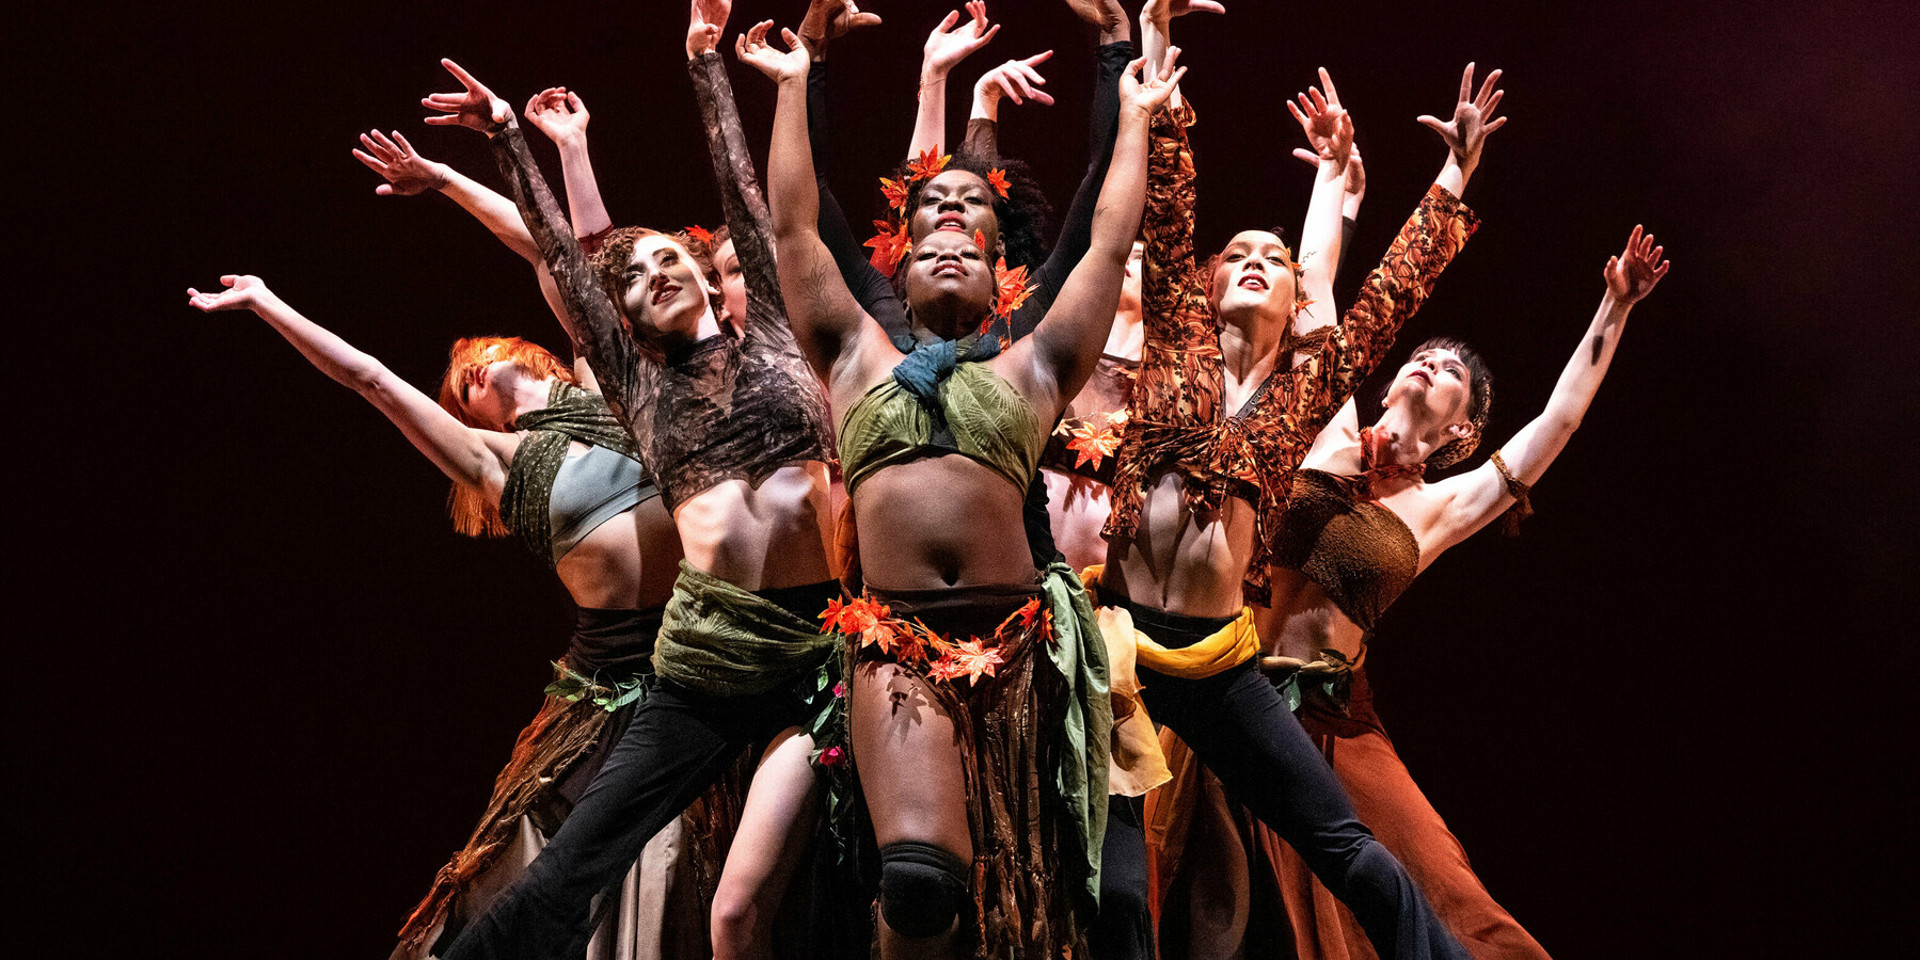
<point x="735" y="426"/>
<point x="912" y="735"/>
<point x="534" y="454"/>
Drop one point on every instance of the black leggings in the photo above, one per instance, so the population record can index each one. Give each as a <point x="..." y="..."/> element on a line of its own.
<point x="1237" y="723"/>
<point x="1124" y="928"/>
<point x="677" y="745"/>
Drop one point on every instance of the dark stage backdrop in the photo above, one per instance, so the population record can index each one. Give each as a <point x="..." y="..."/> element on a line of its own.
<point x="267" y="687"/>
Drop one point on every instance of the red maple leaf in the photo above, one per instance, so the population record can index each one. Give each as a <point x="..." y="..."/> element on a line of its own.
<point x="895" y="192"/>
<point x="700" y="233"/>
<point x="890" y="246"/>
<point x="926" y="165"/>
<point x="997" y="179"/>
<point x="1014" y="290"/>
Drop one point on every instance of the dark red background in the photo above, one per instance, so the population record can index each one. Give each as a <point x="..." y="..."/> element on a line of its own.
<point x="266" y="688"/>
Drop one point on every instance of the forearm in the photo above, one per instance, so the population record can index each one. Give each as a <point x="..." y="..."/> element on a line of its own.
<point x="1153" y="48"/>
<point x="590" y="318"/>
<point x="1321" y="237"/>
<point x="589" y="212"/>
<point x="1455" y="174"/>
<point x="326" y="350"/>
<point x="494" y="211"/>
<point x="929" y="123"/>
<point x="1116" y="218"/>
<point x="748" y="218"/>
<point x="793" y="192"/>
<point x="1574" y="392"/>
<point x="1077" y="326"/>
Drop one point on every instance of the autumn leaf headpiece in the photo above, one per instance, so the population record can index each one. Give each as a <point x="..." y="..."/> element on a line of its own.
<point x="892" y="240"/>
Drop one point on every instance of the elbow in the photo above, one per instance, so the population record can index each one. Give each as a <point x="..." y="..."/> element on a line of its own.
<point x="371" y="380"/>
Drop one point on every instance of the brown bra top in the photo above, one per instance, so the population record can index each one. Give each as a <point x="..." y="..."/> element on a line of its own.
<point x="1355" y="548"/>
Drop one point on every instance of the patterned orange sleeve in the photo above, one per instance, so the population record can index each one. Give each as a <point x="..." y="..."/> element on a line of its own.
<point x="1178" y="383"/>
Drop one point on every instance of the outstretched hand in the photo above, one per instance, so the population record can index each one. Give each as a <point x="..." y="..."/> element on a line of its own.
<point x="243" y="291"/>
<point x="406" y="171"/>
<point x="947" y="46"/>
<point x="1633" y="274"/>
<point x="1105" y="15"/>
<point x="1328" y="127"/>
<point x="753" y="49"/>
<point x="1016" y="79"/>
<point x="477" y="107"/>
<point x="1161" y="11"/>
<point x="829" y="20"/>
<point x="1148" y="95"/>
<point x="558" y="113"/>
<point x="1356" y="185"/>
<point x="1467" y="132"/>
<point x="704" y="23"/>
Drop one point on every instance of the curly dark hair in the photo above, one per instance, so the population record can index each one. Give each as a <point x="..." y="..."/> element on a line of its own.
<point x="615" y="250"/>
<point x="1023" y="213"/>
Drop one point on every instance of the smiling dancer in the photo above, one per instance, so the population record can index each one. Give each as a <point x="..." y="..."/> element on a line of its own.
<point x="735" y="428"/>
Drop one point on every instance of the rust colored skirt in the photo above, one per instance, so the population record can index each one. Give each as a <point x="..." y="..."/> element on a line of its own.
<point x="1009" y="725"/>
<point x="659" y="911"/>
<point x="1234" y="888"/>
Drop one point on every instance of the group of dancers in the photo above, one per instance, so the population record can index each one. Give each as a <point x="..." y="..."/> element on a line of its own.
<point x="1017" y="598"/>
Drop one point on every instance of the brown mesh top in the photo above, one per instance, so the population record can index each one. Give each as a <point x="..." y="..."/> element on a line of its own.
<point x="1355" y="548"/>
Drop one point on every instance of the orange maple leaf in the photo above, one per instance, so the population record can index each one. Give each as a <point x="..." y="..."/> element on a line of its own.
<point x="997" y="179"/>
<point x="1014" y="289"/>
<point x="968" y="658"/>
<point x="1093" y="444"/>
<point x="890" y="246"/>
<point x="926" y="165"/>
<point x="895" y="192"/>
<point x="700" y="233"/>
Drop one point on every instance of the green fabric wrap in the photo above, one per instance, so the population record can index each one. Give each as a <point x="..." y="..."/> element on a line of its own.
<point x="986" y="418"/>
<point x="1079" y="653"/>
<point x="721" y="640"/>
<point x="570" y="414"/>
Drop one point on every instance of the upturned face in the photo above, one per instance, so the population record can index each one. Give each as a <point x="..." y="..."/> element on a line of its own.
<point x="666" y="293"/>
<point x="1130" y="287"/>
<point x="733" y="282"/>
<point x="948" y="277"/>
<point x="959" y="201"/>
<point x="1438" y="385"/>
<point x="488" y="398"/>
<point x="1255" y="274"/>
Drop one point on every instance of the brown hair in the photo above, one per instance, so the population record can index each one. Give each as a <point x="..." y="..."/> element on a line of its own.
<point x="1300" y="299"/>
<point x="615" y="251"/>
<point x="473" y="513"/>
<point x="1479" y="400"/>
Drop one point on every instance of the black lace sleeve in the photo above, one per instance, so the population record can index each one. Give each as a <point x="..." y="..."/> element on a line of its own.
<point x="1076" y="231"/>
<point x="626" y="375"/>
<point x="871" y="289"/>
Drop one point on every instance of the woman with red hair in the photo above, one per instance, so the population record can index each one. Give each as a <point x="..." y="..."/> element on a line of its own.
<point x="533" y="452"/>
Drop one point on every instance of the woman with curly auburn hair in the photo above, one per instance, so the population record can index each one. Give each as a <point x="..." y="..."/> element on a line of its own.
<point x="732" y="423"/>
<point x="535" y="455"/>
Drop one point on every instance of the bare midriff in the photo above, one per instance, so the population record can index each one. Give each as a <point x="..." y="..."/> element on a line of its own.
<point x="762" y="537"/>
<point x="941" y="522"/>
<point x="1182" y="560"/>
<point x="626" y="563"/>
<point x="1304" y="621"/>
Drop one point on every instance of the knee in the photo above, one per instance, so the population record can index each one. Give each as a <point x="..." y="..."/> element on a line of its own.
<point x="922" y="888"/>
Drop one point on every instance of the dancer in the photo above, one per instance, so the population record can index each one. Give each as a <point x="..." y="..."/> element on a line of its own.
<point x="736" y="429"/>
<point x="1199" y="490"/>
<point x="1364" y="522"/>
<point x="983" y="767"/>
<point x="533" y="454"/>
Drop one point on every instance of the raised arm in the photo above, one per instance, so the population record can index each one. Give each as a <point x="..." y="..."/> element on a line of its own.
<point x="826" y="321"/>
<point x="1476" y="497"/>
<point x="1156" y="17"/>
<point x="946" y="47"/>
<point x="1466" y="134"/>
<point x="740" y="196"/>
<point x="1351" y="197"/>
<point x="590" y="317"/>
<point x="1329" y="130"/>
<point x="476" y="458"/>
<point x="828" y="20"/>
<point x="562" y="116"/>
<point x="408" y="173"/>
<point x="1067" y="343"/>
